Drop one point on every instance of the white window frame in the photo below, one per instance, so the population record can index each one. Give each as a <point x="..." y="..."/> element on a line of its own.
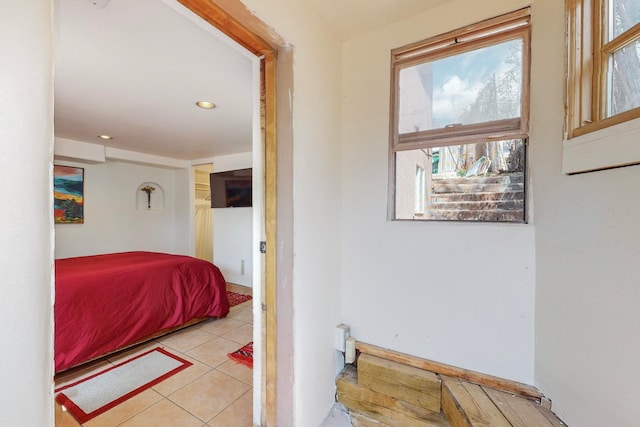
<point x="592" y="140"/>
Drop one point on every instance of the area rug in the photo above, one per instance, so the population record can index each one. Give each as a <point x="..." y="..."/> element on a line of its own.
<point x="236" y="298"/>
<point x="92" y="396"/>
<point x="244" y="355"/>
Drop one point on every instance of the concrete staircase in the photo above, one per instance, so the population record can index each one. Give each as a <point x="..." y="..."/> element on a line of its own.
<point x="492" y="198"/>
<point x="387" y="393"/>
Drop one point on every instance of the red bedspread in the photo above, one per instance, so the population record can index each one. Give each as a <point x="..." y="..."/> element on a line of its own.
<point x="106" y="302"/>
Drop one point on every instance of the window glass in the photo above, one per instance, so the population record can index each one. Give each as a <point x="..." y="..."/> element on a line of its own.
<point x="473" y="87"/>
<point x="624" y="14"/>
<point x="472" y="182"/>
<point x="624" y="84"/>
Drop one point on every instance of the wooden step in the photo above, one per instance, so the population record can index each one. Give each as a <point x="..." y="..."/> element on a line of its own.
<point x="492" y="179"/>
<point x="507" y="205"/>
<point x="381" y="407"/>
<point x="406" y="383"/>
<point x="516" y="215"/>
<point x="465" y="404"/>
<point x="477" y="197"/>
<point x="469" y="187"/>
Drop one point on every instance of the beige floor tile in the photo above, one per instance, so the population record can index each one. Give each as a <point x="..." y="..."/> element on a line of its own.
<point x="163" y="414"/>
<point x="183" y="377"/>
<point x="246" y="304"/>
<point x="242" y="335"/>
<point x="64" y="418"/>
<point x="186" y="339"/>
<point x="243" y="314"/>
<point x="221" y="326"/>
<point x="127" y="409"/>
<point x="202" y="345"/>
<point x="214" y="352"/>
<point x="237" y="371"/>
<point x="238" y="414"/>
<point x="207" y="396"/>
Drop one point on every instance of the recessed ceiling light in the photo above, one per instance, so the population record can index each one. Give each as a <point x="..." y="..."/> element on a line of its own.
<point x="105" y="137"/>
<point x="206" y="105"/>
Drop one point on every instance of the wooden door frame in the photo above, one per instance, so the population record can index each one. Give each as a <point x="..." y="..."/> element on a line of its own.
<point x="266" y="51"/>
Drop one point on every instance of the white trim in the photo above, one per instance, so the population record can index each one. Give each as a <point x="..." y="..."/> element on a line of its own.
<point x="611" y="147"/>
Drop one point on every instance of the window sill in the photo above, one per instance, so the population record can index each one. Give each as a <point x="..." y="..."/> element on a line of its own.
<point x="607" y="148"/>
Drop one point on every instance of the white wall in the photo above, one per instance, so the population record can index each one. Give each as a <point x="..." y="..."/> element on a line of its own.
<point x="233" y="240"/>
<point x="233" y="244"/>
<point x="112" y="221"/>
<point x="26" y="218"/>
<point x="588" y="251"/>
<point x="461" y="294"/>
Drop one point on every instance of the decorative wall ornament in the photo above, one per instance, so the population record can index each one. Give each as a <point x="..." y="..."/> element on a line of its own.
<point x="150" y="196"/>
<point x="148" y="189"/>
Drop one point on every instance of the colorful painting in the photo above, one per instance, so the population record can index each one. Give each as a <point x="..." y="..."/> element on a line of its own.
<point x="68" y="195"/>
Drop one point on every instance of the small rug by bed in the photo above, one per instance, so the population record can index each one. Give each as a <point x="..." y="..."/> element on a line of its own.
<point x="243" y="355"/>
<point x="92" y="396"/>
<point x="236" y="298"/>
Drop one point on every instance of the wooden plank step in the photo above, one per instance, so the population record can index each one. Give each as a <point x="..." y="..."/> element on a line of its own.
<point x="381" y="407"/>
<point x="522" y="412"/>
<point x="451" y="371"/>
<point x="469" y="405"/>
<point x="466" y="405"/>
<point x="416" y="386"/>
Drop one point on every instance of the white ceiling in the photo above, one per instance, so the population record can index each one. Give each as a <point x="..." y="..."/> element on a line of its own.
<point x="134" y="69"/>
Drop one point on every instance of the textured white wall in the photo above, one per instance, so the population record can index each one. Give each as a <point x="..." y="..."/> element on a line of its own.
<point x="587" y="253"/>
<point x="457" y="293"/>
<point x="112" y="222"/>
<point x="26" y="218"/>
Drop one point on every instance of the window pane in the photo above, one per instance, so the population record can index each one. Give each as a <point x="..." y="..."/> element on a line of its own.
<point x="624" y="80"/>
<point x="473" y="182"/>
<point x="624" y="15"/>
<point x="473" y="87"/>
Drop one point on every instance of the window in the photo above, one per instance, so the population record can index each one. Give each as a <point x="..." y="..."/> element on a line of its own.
<point x="459" y="114"/>
<point x="604" y="64"/>
<point x="603" y="85"/>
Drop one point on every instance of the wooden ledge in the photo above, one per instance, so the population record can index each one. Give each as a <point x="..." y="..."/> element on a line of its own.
<point x="452" y="371"/>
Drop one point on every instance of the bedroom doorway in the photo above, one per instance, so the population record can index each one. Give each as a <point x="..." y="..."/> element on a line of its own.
<point x="256" y="38"/>
<point x="245" y="28"/>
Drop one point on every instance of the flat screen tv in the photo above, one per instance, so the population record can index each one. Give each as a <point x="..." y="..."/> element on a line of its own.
<point x="231" y="189"/>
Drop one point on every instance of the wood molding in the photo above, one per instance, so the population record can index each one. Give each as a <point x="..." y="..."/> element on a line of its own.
<point x="219" y="18"/>
<point x="452" y="371"/>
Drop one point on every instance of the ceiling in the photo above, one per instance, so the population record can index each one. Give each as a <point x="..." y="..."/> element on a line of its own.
<point x="134" y="70"/>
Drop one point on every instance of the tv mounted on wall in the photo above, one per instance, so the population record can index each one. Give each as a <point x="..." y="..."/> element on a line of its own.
<point x="231" y="189"/>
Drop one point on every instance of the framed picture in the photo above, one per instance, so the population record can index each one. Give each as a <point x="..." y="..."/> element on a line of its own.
<point x="68" y="195"/>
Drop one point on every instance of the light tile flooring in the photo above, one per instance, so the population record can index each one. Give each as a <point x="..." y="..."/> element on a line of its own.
<point x="214" y="392"/>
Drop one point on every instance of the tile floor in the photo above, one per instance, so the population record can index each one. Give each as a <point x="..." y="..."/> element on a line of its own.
<point x="214" y="392"/>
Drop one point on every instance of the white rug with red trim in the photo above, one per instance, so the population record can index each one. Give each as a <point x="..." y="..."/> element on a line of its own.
<point x="92" y="396"/>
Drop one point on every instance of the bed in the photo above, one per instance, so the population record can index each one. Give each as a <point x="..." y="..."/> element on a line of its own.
<point x="107" y="302"/>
